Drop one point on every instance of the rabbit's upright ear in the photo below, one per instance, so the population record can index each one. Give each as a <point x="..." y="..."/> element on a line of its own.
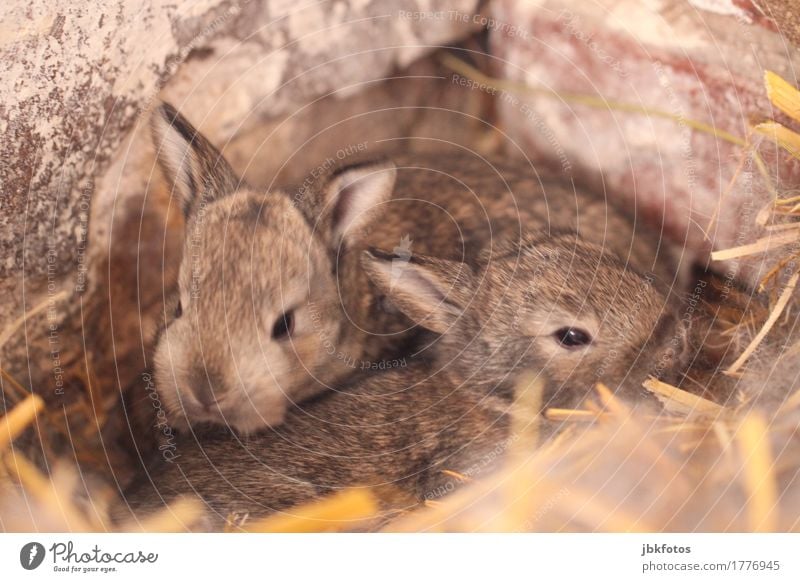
<point x="353" y="197"/>
<point x="432" y="292"/>
<point x="196" y="169"/>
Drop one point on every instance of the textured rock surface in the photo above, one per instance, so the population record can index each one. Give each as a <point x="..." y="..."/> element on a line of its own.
<point x="78" y="82"/>
<point x="701" y="61"/>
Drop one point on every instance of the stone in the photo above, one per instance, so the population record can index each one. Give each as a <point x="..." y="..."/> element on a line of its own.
<point x="695" y="61"/>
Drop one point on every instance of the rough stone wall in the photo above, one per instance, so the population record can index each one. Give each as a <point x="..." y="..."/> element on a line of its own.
<point x="700" y="61"/>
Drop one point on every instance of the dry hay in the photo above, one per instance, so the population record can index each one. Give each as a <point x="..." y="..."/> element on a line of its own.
<point x="699" y="463"/>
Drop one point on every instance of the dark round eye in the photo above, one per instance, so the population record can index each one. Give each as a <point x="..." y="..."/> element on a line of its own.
<point x="284" y="325"/>
<point x="178" y="310"/>
<point x="572" y="337"/>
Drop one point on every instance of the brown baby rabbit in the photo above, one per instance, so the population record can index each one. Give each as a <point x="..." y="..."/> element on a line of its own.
<point x="564" y="308"/>
<point x="273" y="305"/>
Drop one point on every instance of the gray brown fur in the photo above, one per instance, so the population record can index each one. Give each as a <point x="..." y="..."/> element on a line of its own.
<point x="448" y="409"/>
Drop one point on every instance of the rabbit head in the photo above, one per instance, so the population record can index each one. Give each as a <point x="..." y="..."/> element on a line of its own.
<point x="558" y="305"/>
<point x="256" y="322"/>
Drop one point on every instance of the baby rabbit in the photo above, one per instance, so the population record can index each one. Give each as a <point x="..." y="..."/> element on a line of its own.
<point x="273" y="305"/>
<point x="562" y="307"/>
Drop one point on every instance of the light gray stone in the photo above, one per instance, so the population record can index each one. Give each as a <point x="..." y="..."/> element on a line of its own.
<point x="695" y="61"/>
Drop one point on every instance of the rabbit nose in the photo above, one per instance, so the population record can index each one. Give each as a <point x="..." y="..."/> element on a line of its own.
<point x="207" y="387"/>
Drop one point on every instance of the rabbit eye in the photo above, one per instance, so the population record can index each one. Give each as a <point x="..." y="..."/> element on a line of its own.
<point x="572" y="337"/>
<point x="178" y="310"/>
<point x="284" y="325"/>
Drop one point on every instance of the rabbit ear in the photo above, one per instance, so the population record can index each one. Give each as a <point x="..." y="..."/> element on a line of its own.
<point x="354" y="196"/>
<point x="431" y="292"/>
<point x="198" y="172"/>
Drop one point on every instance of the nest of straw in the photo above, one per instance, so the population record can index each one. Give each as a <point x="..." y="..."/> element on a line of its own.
<point x="710" y="459"/>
